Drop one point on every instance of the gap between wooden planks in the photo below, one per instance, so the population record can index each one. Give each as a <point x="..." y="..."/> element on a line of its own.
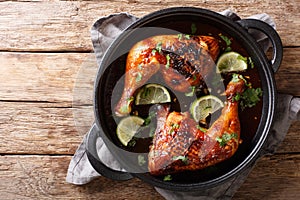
<point x="65" y="25"/>
<point x="39" y="177"/>
<point x="51" y="77"/>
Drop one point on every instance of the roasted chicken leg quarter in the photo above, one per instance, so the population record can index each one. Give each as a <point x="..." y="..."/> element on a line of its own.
<point x="183" y="61"/>
<point x="180" y="145"/>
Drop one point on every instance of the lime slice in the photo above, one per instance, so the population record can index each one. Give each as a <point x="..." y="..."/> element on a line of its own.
<point x="128" y="127"/>
<point x="231" y="61"/>
<point x="152" y="94"/>
<point x="202" y="107"/>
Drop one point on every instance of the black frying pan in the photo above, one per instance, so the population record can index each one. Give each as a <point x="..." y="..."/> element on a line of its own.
<point x="170" y="21"/>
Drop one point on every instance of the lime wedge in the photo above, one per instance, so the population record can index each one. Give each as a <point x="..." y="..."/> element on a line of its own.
<point x="202" y="107"/>
<point x="128" y="127"/>
<point x="231" y="61"/>
<point x="152" y="94"/>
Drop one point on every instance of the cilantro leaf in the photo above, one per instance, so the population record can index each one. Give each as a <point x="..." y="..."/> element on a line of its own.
<point x="227" y="42"/>
<point x="168" y="178"/>
<point x="168" y="61"/>
<point x="184" y="159"/>
<point x="226" y="137"/>
<point x="141" y="160"/>
<point x="251" y="62"/>
<point x="159" y="47"/>
<point x="193" y="28"/>
<point x="250" y="97"/>
<point x="201" y="129"/>
<point x="138" y="77"/>
<point x="192" y="92"/>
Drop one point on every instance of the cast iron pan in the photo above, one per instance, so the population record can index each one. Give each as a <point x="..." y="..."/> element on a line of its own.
<point x="170" y="21"/>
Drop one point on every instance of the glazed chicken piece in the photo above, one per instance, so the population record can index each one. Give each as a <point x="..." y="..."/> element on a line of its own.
<point x="179" y="145"/>
<point x="183" y="61"/>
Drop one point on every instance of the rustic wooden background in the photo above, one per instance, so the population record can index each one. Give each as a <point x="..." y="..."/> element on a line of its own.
<point x="43" y="46"/>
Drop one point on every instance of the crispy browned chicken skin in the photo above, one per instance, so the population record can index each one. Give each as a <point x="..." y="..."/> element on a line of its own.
<point x="179" y="145"/>
<point x="182" y="61"/>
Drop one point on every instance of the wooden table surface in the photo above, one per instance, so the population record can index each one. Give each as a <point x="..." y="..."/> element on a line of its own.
<point x="45" y="47"/>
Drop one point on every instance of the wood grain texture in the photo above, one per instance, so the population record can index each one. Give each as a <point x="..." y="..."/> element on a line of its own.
<point x="49" y="108"/>
<point x="39" y="76"/>
<point x="39" y="128"/>
<point x="273" y="178"/>
<point x="52" y="77"/>
<point x="49" y="128"/>
<point x="43" y="177"/>
<point x="65" y="25"/>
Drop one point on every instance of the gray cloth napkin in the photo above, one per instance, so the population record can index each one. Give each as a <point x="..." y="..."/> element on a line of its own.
<point x="80" y="171"/>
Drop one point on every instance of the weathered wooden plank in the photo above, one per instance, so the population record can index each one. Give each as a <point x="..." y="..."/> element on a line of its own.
<point x="274" y="177"/>
<point x="43" y="177"/>
<point x="288" y="76"/>
<point x="291" y="141"/>
<point x="40" y="177"/>
<point x="65" y="25"/>
<point x="43" y="76"/>
<point x="37" y="128"/>
<point x="52" y="77"/>
<point x="54" y="128"/>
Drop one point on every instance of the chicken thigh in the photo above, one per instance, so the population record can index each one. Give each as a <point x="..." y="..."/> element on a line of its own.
<point x="179" y="144"/>
<point x="182" y="60"/>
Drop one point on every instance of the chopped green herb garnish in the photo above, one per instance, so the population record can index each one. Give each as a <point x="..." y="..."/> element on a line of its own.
<point x="124" y="109"/>
<point x="187" y="37"/>
<point x="193" y="28"/>
<point x="227" y="41"/>
<point x="180" y="36"/>
<point x="148" y="120"/>
<point x="251" y="62"/>
<point x="237" y="97"/>
<point x="159" y="47"/>
<point x="194" y="77"/>
<point x="237" y="77"/>
<point x="141" y="160"/>
<point x="168" y="61"/>
<point x="184" y="159"/>
<point x="174" y="126"/>
<point x="250" y="97"/>
<point x="192" y="92"/>
<point x="226" y="137"/>
<point x="227" y="49"/>
<point x="138" y="77"/>
<point x="131" y="143"/>
<point x="201" y="128"/>
<point x="168" y="178"/>
<point x="130" y="99"/>
<point x="242" y="58"/>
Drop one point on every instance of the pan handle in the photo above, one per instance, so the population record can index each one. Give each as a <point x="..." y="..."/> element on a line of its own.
<point x="95" y="161"/>
<point x="270" y="32"/>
